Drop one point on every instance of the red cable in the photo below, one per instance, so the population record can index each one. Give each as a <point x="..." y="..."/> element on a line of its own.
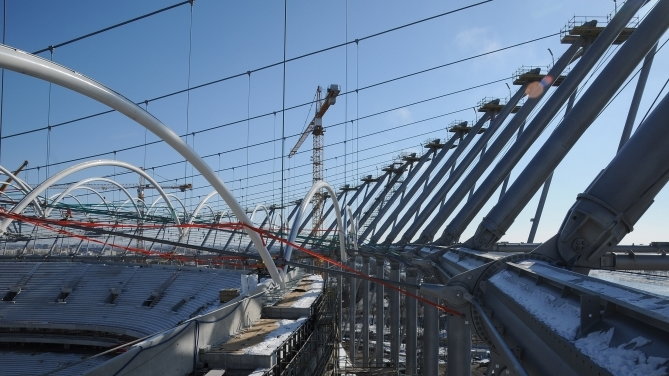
<point x="47" y="224"/>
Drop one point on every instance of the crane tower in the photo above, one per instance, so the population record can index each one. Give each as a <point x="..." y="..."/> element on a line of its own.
<point x="315" y="127"/>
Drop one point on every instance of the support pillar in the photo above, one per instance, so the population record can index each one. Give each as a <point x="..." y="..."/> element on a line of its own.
<point x="394" y="316"/>
<point x="430" y="340"/>
<point x="411" y="324"/>
<point x="352" y="299"/>
<point x="459" y="346"/>
<point x="365" y="313"/>
<point x="378" y="349"/>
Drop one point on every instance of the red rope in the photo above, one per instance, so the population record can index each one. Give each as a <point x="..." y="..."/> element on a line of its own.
<point x="49" y="223"/>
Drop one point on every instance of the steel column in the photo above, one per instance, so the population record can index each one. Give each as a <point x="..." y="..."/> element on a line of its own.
<point x="438" y="177"/>
<point x="411" y="324"/>
<point x="352" y="302"/>
<point x="474" y="174"/>
<point x="378" y="349"/>
<point x="368" y="195"/>
<point x="365" y="313"/>
<point x="394" y="296"/>
<point x="501" y="171"/>
<point x="636" y="99"/>
<point x="579" y="119"/>
<point x="544" y="191"/>
<point x="459" y="346"/>
<point x="430" y="340"/>
<point x="613" y="203"/>
<point x="414" y="172"/>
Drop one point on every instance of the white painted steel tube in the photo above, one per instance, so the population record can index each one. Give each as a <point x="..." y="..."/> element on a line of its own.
<point x="23" y="62"/>
<point x="298" y="217"/>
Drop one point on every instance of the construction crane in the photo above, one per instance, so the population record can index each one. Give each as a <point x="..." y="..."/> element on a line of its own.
<point x="315" y="127"/>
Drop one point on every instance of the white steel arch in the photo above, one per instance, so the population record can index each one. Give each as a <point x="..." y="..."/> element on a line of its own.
<point x="104" y="201"/>
<point x="82" y="184"/>
<point x="25" y="63"/>
<point x="200" y="206"/>
<point x="18" y="208"/>
<point x="168" y="203"/>
<point x="24" y="187"/>
<point x="258" y="208"/>
<point x="298" y="218"/>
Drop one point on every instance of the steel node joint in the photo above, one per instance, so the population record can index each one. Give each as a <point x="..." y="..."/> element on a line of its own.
<point x="486" y="235"/>
<point x="456" y="296"/>
<point x="590" y="229"/>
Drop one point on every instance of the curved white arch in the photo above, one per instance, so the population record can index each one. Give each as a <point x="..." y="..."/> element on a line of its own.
<point x="18" y="208"/>
<point x="10" y="198"/>
<point x="25" y="63"/>
<point x="200" y="206"/>
<point x="168" y="203"/>
<point x="298" y="218"/>
<point x="24" y="187"/>
<point x="213" y="212"/>
<point x="257" y="208"/>
<point x="276" y="213"/>
<point x="104" y="201"/>
<point x="81" y="184"/>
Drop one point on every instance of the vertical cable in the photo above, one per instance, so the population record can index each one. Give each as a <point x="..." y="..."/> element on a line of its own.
<point x="2" y="73"/>
<point x="357" y="110"/>
<point x="146" y="131"/>
<point x="190" y="50"/>
<point x="273" y="158"/>
<point x="48" y="130"/>
<point x="283" y="106"/>
<point x="345" y="90"/>
<point x="248" y="137"/>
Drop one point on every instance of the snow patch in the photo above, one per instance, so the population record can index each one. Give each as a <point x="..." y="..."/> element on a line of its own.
<point x="465" y="262"/>
<point x="561" y="315"/>
<point x="624" y="359"/>
<point x="275" y="338"/>
<point x="308" y="298"/>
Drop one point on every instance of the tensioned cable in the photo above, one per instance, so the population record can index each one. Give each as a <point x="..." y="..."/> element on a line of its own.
<point x="188" y="82"/>
<point x="283" y="136"/>
<point x="283" y="105"/>
<point x="113" y="27"/>
<point x="233" y="181"/>
<point x="284" y="61"/>
<point x="335" y="144"/>
<point x="291" y="107"/>
<point x="2" y="72"/>
<point x="48" y="125"/>
<point x="303" y="151"/>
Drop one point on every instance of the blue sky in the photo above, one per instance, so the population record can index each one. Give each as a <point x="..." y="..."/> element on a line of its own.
<point x="186" y="47"/>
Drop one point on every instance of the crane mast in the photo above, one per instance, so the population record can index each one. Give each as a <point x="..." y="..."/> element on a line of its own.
<point x="315" y="127"/>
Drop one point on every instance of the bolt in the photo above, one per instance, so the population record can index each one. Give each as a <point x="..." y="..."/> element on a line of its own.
<point x="578" y="244"/>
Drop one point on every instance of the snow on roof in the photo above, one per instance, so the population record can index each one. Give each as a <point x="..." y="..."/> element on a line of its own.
<point x="465" y="262"/>
<point x="653" y="282"/>
<point x="275" y="338"/>
<point x="259" y="372"/>
<point x="624" y="359"/>
<point x="561" y="315"/>
<point x="611" y="290"/>
<point x="314" y="290"/>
